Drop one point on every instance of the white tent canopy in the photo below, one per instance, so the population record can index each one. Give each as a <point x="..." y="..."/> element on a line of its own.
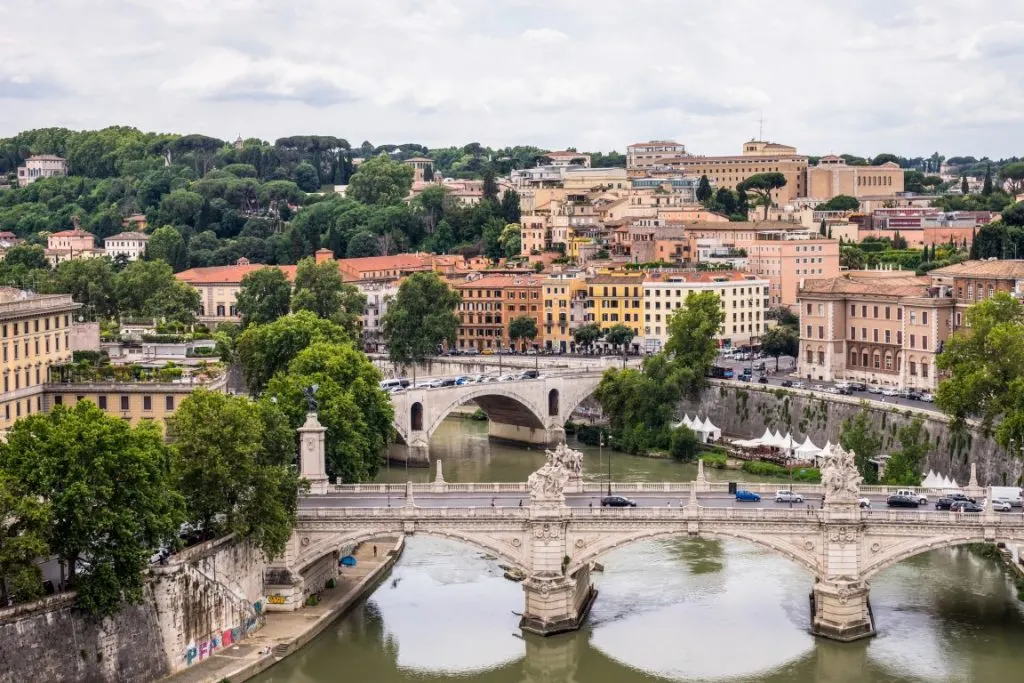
<point x="713" y="432"/>
<point x="807" y="450"/>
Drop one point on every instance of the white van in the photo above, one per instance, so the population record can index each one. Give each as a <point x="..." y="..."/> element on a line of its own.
<point x="393" y="384"/>
<point x="1011" y="494"/>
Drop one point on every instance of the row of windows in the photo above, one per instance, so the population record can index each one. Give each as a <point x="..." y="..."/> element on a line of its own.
<point x="17" y="379"/>
<point x="23" y="328"/>
<point x="874" y="180"/>
<point x="615" y="291"/>
<point x="125" y="402"/>
<point x="16" y="348"/>
<point x="18" y="407"/>
<point x="497" y="294"/>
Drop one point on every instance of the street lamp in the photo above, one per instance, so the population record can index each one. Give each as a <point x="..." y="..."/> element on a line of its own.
<point x="790" y="463"/>
<point x="609" y="466"/>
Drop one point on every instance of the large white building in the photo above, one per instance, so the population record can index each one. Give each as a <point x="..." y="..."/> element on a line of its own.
<point x="744" y="300"/>
<point x="131" y="245"/>
<point x="41" y="166"/>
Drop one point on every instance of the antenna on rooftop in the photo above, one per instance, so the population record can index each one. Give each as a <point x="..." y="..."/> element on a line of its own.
<point x="760" y="126"/>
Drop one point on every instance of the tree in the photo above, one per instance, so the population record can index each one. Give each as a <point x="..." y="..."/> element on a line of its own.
<point x="619" y="335"/>
<point x="381" y="181"/>
<point x="235" y="468"/>
<point x="511" y="240"/>
<point x="858" y="435"/>
<point x="490" y="188"/>
<point x="841" y="202"/>
<point x="265" y="350"/>
<point x="420" y="318"/>
<point x="904" y="466"/>
<point x="725" y="199"/>
<point x="320" y="289"/>
<point x="785" y="317"/>
<point x="181" y="207"/>
<point x="363" y="244"/>
<point x="306" y="178"/>
<point x="762" y="185"/>
<point x="522" y="328"/>
<point x="510" y="209"/>
<point x="691" y="347"/>
<point x="264" y="296"/>
<point x="1014" y="215"/>
<point x="822" y="229"/>
<point x="885" y="158"/>
<point x="984" y="366"/>
<point x="111" y="494"/>
<point x="780" y="341"/>
<point x="704" y="190"/>
<point x="28" y="256"/>
<point x="356" y="412"/>
<point x="1012" y="176"/>
<point x="89" y="281"/>
<point x="586" y="335"/>
<point x="964" y="187"/>
<point x="149" y="289"/>
<point x="986" y="188"/>
<point x="684" y="444"/>
<point x="24" y="525"/>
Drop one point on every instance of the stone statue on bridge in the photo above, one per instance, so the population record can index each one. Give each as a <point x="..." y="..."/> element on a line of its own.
<point x="840" y="477"/>
<point x="549" y="482"/>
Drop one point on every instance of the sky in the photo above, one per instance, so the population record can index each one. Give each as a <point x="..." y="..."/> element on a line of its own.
<point x="828" y="76"/>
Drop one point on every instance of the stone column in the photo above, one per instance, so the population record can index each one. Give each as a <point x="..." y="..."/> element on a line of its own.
<point x="974" y="489"/>
<point x="439" y="483"/>
<point x="312" y="464"/>
<point x="702" y="482"/>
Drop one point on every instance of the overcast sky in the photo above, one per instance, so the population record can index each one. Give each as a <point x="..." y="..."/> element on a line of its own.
<point x="857" y="76"/>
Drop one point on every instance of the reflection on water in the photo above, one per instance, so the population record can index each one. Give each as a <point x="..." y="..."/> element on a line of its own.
<point x="679" y="609"/>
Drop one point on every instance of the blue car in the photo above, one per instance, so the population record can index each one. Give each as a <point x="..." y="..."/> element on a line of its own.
<point x="749" y="496"/>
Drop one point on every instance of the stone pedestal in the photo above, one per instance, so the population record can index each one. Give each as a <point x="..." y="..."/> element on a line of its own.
<point x="841" y="611"/>
<point x="702" y="482"/>
<point x="556" y="604"/>
<point x="312" y="465"/>
<point x="974" y="489"/>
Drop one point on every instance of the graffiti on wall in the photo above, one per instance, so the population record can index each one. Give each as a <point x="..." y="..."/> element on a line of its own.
<point x="196" y="652"/>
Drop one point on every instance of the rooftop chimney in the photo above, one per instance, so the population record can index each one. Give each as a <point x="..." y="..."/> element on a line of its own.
<point x="324" y="255"/>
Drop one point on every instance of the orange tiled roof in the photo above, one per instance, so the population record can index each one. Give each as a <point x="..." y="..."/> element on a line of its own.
<point x="1007" y="270"/>
<point x="227" y="275"/>
<point x="500" y="281"/>
<point x="697" y="276"/>
<point x="910" y="285"/>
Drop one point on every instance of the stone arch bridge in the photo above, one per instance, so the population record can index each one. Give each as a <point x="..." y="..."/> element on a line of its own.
<point x="556" y="536"/>
<point x="530" y="411"/>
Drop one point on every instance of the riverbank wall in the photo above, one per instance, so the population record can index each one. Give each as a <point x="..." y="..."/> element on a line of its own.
<point x="203" y="599"/>
<point x="744" y="411"/>
<point x="286" y="633"/>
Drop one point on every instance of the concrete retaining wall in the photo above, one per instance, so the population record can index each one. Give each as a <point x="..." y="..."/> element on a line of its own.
<point x="206" y="597"/>
<point x="744" y="411"/>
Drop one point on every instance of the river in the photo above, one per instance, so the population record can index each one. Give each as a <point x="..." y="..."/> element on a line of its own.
<point x="673" y="610"/>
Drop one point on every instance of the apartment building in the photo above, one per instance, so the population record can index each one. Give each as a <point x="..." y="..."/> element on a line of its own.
<point x="643" y="156"/>
<point x="490" y="303"/>
<point x="757" y="157"/>
<point x="880" y="328"/>
<point x="568" y="158"/>
<point x="744" y="300"/>
<point x="130" y="245"/>
<point x="973" y="281"/>
<point x="67" y="245"/>
<point x="832" y="176"/>
<point x="616" y="299"/>
<point x="564" y="298"/>
<point x="36" y="335"/>
<point x="41" y="166"/>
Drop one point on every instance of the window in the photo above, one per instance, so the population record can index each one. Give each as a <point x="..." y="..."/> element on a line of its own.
<point x="878" y="361"/>
<point x="147" y="403"/>
<point x="924" y="342"/>
<point x="808" y="309"/>
<point x="821" y="309"/>
<point x="874" y="334"/>
<point x="169" y="403"/>
<point x="875" y="311"/>
<point x="913" y="339"/>
<point x="821" y="357"/>
<point x="924" y="369"/>
<point x="853" y="358"/>
<point x="810" y="356"/>
<point x="888" y="337"/>
<point x="912" y="367"/>
<point x="124" y="403"/>
<point x="853" y="311"/>
<point x="887" y="312"/>
<point x="809" y="334"/>
<point x="103" y="402"/>
<point x="924" y="317"/>
<point x="888" y="362"/>
<point x="58" y="400"/>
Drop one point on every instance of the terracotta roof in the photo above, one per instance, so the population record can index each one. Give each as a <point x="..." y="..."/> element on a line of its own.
<point x="500" y="281"/>
<point x="72" y="233"/>
<point x="616" y="279"/>
<point x="129" y="236"/>
<point x="227" y="275"/>
<point x="702" y="276"/>
<point x="1007" y="270"/>
<point x="910" y="285"/>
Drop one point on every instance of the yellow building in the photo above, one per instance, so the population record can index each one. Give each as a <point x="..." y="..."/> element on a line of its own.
<point x="561" y="318"/>
<point x="832" y="177"/>
<point x="36" y="335"/>
<point x="616" y="299"/>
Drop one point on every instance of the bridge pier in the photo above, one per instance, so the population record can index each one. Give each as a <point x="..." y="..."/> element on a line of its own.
<point x="842" y="611"/>
<point x="417" y="454"/>
<point x="542" y="436"/>
<point x="557" y="603"/>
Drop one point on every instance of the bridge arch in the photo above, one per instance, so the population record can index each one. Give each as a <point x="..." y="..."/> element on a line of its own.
<point x="886" y="558"/>
<point x="806" y="558"/>
<point x="333" y="542"/>
<point x="501" y="403"/>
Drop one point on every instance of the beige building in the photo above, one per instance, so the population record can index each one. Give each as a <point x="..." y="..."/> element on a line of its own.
<point x="41" y="166"/>
<point x="880" y="328"/>
<point x="68" y="245"/>
<point x="643" y="156"/>
<point x="757" y="157"/>
<point x="744" y="300"/>
<point x="131" y="245"/>
<point x="832" y="177"/>
<point x="419" y="167"/>
<point x="36" y="335"/>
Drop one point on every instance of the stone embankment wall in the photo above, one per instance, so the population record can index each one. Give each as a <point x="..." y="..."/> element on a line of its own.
<point x="744" y="411"/>
<point x="203" y="599"/>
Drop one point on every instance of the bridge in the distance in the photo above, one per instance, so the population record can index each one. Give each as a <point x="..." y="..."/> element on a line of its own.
<point x="532" y="411"/>
<point x="550" y="529"/>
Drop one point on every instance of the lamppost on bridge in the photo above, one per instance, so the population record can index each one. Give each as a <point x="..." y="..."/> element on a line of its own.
<point x="601" y="443"/>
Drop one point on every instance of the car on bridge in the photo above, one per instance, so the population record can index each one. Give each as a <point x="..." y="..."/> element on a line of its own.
<point x="617" y="502"/>
<point x="965" y="506"/>
<point x="865" y="503"/>
<point x="910" y="493"/>
<point x="788" y="497"/>
<point x="999" y="505"/>
<point x="748" y="496"/>
<point x="897" y="501"/>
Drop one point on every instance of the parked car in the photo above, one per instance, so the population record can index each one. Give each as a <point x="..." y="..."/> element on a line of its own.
<point x="744" y="378"/>
<point x="872" y="389"/>
<point x="956" y="497"/>
<point x="890" y="392"/>
<point x="487" y="352"/>
<point x="748" y="496"/>
<point x="762" y="380"/>
<point x="798" y="385"/>
<point x="529" y="374"/>
<point x="507" y="378"/>
<point x="858" y="386"/>
<point x="928" y="397"/>
<point x="895" y="501"/>
<point x="788" y="497"/>
<point x="921" y="498"/>
<point x="944" y="503"/>
<point x="965" y="506"/>
<point x="617" y="502"/>
<point x="864" y="503"/>
<point x="999" y="505"/>
<point x="912" y="395"/>
<point x="472" y="351"/>
<point x="787" y="382"/>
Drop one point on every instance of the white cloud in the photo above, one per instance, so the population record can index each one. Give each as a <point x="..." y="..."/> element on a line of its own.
<point x="909" y="76"/>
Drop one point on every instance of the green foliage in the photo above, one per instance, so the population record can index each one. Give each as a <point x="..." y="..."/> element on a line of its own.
<point x="984" y="366"/>
<point x="691" y="346"/>
<point x="841" y="202"/>
<point x="381" y="181"/>
<point x="148" y="289"/>
<point x="780" y="341"/>
<point x="265" y="350"/>
<point x="264" y="296"/>
<point x="859" y="436"/>
<point x="522" y="328"/>
<point x="586" y="335"/>
<point x="762" y="185"/>
<point x="420" y="318"/>
<point x="110" y="492"/>
<point x="235" y="467"/>
<point x="619" y="335"/>
<point x="1013" y="176"/>
<point x="683" y="444"/>
<point x="904" y="466"/>
<point x="24" y="525"/>
<point x="704" y="193"/>
<point x="320" y="290"/>
<point x="357" y="414"/>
